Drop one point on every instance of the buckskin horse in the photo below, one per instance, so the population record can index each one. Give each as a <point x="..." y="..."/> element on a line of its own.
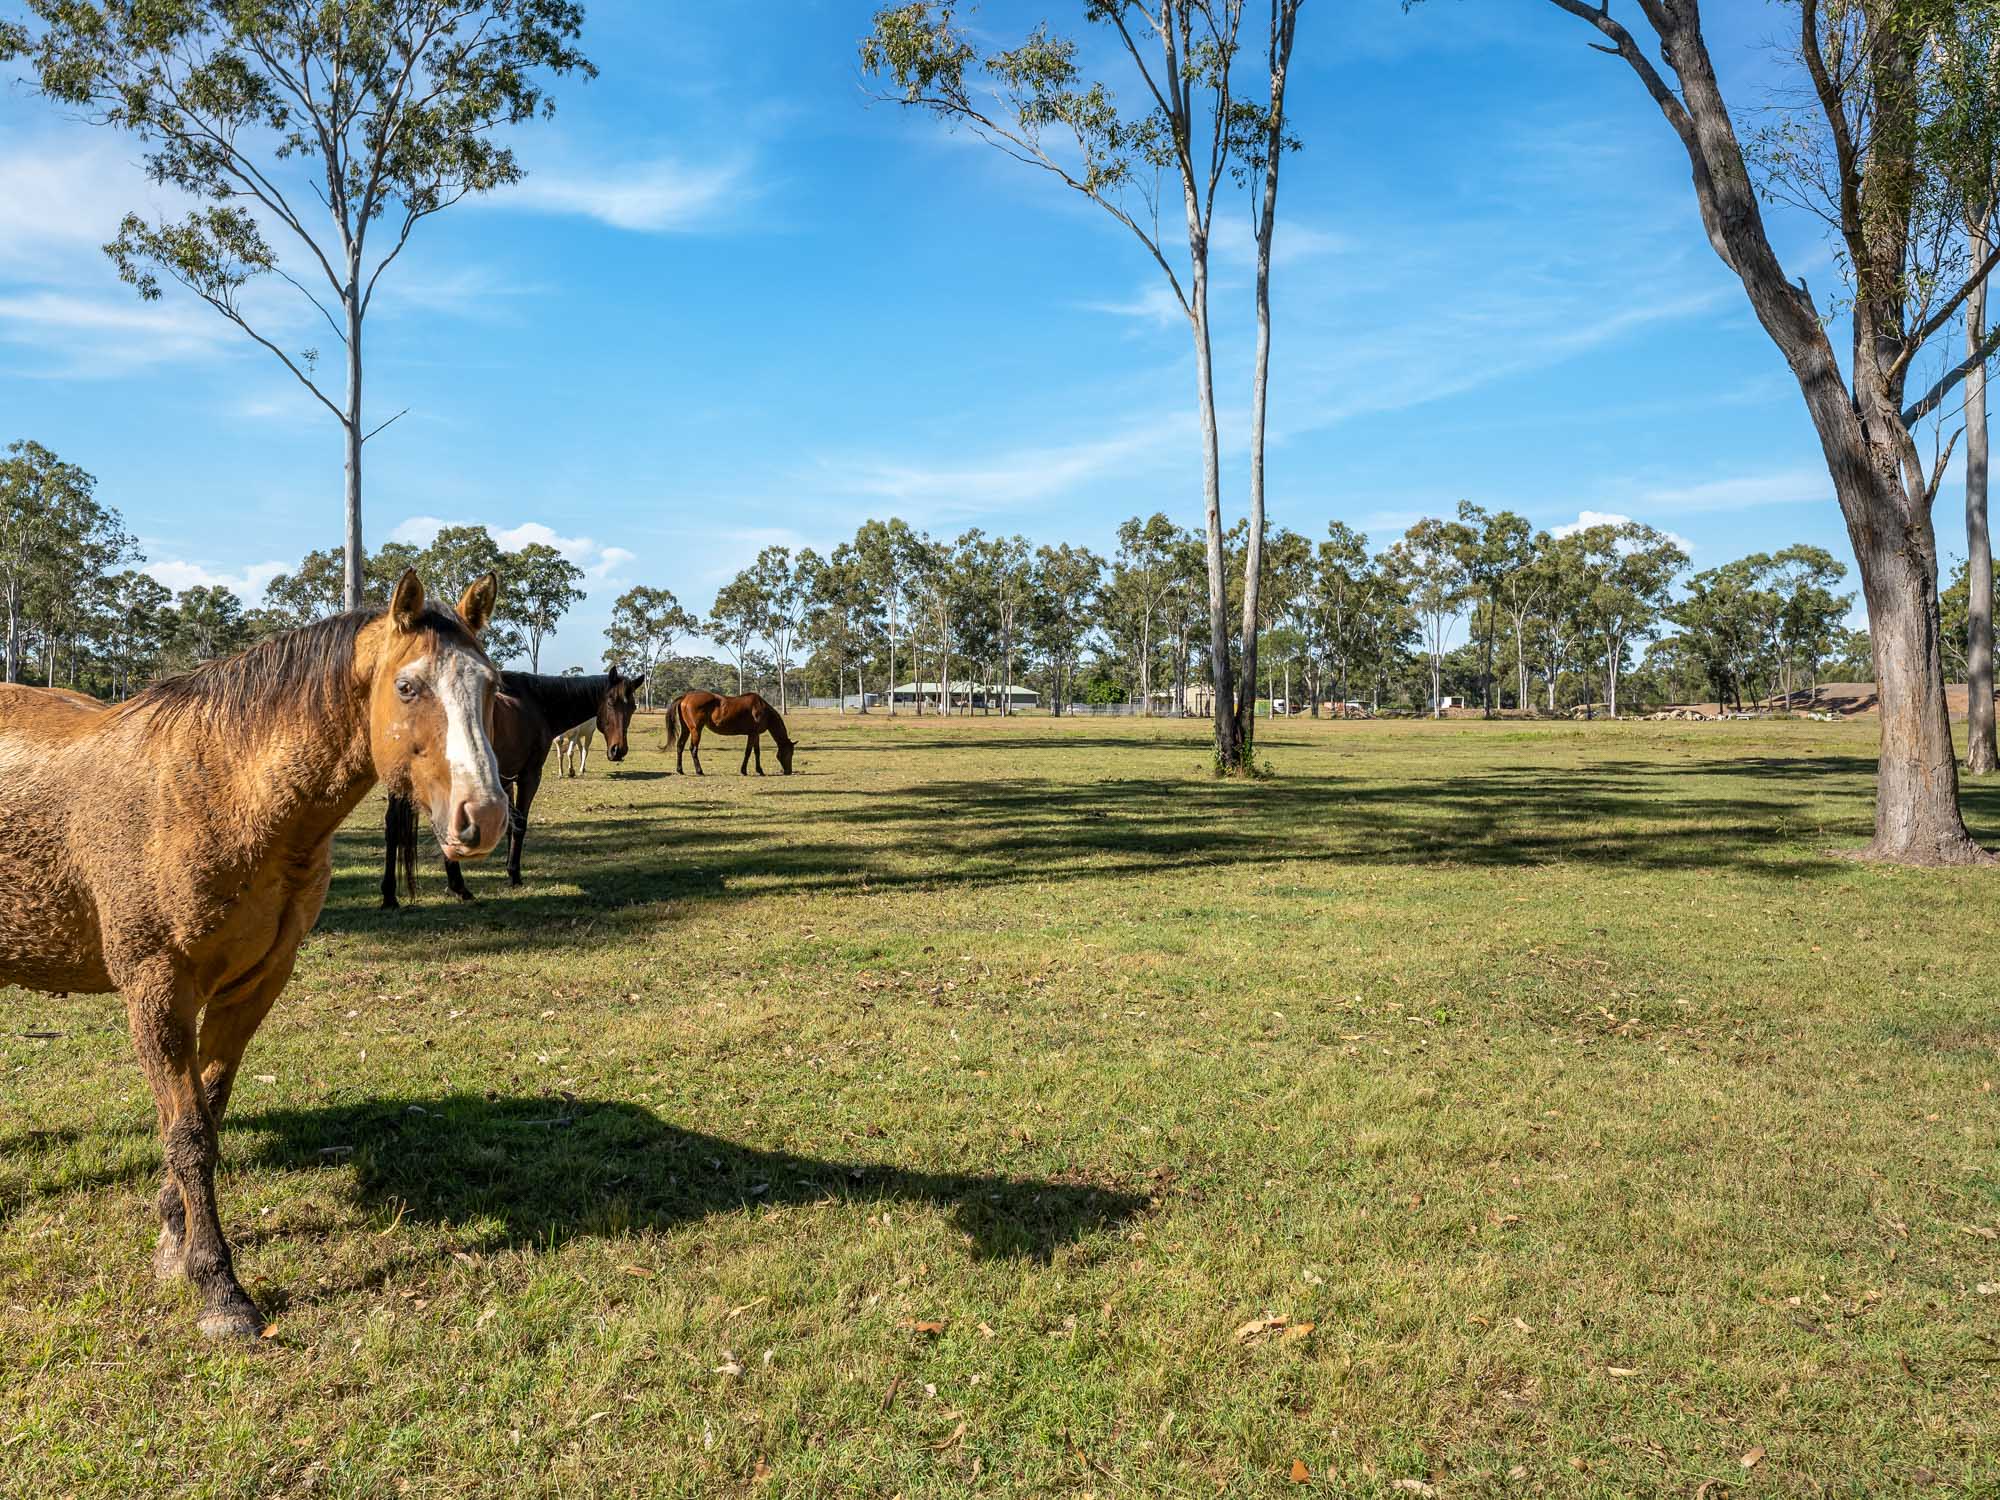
<point x="747" y="713"/>
<point x="176" y="847"/>
<point x="529" y="711"/>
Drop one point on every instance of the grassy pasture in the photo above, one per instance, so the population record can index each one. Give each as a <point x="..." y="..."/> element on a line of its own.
<point x="950" y="1118"/>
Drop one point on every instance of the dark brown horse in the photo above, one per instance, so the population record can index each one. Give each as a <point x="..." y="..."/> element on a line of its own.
<point x="691" y="713"/>
<point x="529" y="712"/>
<point x="177" y="847"/>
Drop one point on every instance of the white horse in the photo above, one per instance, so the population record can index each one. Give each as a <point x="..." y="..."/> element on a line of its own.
<point x="575" y="743"/>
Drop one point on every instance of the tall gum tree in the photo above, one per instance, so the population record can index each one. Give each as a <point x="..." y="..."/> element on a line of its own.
<point x="1862" y="62"/>
<point x="326" y="123"/>
<point x="1035" y="104"/>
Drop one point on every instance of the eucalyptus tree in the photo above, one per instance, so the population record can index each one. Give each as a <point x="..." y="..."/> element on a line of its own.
<point x="207" y="623"/>
<point x="1498" y="545"/>
<point x="311" y="591"/>
<point x="785" y="591"/>
<point x="1265" y="137"/>
<point x="455" y="559"/>
<point x="1144" y="571"/>
<point x="329" y="125"/>
<point x="542" y="587"/>
<point x="37" y="490"/>
<point x="736" y="620"/>
<point x="1521" y="592"/>
<point x="1809" y="612"/>
<point x="1428" y="564"/>
<point x="1036" y="104"/>
<point x="646" y="624"/>
<point x="1850" y="156"/>
<point x="889" y="554"/>
<point x="1964" y="141"/>
<point x="839" y="618"/>
<point x="134" y="611"/>
<point x="1340" y="581"/>
<point x="1062" y="608"/>
<point x="1630" y="572"/>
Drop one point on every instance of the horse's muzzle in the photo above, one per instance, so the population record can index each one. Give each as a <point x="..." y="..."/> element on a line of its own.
<point x="614" y="753"/>
<point x="473" y="828"/>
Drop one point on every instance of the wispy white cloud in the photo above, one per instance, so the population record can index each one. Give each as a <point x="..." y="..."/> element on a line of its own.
<point x="1013" y="478"/>
<point x="662" y="196"/>
<point x="246" y="583"/>
<point x="1741" y="492"/>
<point x="106" y="335"/>
<point x="1154" y="303"/>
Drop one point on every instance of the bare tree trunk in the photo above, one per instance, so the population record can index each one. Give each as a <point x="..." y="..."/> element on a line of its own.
<point x="1228" y="740"/>
<point x="1284" y="23"/>
<point x="13" y="631"/>
<point x="351" y="429"/>
<point x="1982" y="751"/>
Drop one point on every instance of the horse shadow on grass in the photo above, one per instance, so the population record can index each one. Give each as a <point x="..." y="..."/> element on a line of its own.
<point x="545" y="1170"/>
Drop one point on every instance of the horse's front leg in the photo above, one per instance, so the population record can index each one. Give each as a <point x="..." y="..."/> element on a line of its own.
<point x="748" y="745"/>
<point x="694" y="749"/>
<point x="391" y="841"/>
<point x="757" y="748"/>
<point x="454" y="879"/>
<point x="161" y="1010"/>
<point x="524" y="795"/>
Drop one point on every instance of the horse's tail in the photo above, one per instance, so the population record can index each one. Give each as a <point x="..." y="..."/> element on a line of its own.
<point x="405" y="834"/>
<point x="675" y="728"/>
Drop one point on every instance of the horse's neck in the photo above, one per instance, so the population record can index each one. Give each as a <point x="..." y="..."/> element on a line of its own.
<point x="293" y="786"/>
<point x="565" y="702"/>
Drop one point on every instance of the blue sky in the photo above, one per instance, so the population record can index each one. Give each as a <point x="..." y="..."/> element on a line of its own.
<point x="735" y="304"/>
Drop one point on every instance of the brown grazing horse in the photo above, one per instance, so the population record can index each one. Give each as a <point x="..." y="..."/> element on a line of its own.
<point x="529" y="712"/>
<point x="747" y="713"/>
<point x="175" y="848"/>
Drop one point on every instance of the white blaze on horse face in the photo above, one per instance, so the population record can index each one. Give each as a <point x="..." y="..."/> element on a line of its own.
<point x="460" y="680"/>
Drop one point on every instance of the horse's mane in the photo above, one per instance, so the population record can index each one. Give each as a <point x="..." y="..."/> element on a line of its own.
<point x="303" y="673"/>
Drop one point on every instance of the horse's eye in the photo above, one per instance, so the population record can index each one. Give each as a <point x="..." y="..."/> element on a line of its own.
<point x="406" y="688"/>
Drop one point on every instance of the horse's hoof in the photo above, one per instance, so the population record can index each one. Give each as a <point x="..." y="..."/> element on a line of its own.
<point x="235" y="1318"/>
<point x="512" y="878"/>
<point x="463" y="895"/>
<point x="169" y="1257"/>
<point x="390" y="903"/>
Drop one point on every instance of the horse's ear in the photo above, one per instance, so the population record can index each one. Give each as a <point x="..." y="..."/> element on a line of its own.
<point x="637" y="682"/>
<point x="615" y="679"/>
<point x="475" y="605"/>
<point x="407" y="607"/>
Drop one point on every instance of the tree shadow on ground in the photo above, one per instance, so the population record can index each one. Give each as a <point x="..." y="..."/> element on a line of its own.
<point x="1774" y="816"/>
<point x="551" y="1169"/>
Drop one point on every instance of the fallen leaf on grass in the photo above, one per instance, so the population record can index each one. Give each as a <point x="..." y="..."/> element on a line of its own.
<point x="1300" y="1473"/>
<point x="1753" y="1458"/>
<point x="729" y="1365"/>
<point x="1524" y="1327"/>
<point x="929" y="1328"/>
<point x="487" y="1317"/>
<point x="1414" y="1487"/>
<point x="1620" y="1370"/>
<point x="1256" y="1328"/>
<point x="1988" y="1288"/>
<point x="1296" y="1332"/>
<point x="639" y="1271"/>
<point x="270" y="1331"/>
<point x="986" y="1330"/>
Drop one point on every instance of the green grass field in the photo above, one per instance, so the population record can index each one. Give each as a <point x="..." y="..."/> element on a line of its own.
<point x="955" y="1116"/>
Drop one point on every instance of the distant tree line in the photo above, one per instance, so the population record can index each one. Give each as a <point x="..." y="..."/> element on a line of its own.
<point x="77" y="612"/>
<point x="1480" y="607"/>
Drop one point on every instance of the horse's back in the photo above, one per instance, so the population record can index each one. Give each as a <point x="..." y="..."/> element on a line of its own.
<point x="48" y="929"/>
